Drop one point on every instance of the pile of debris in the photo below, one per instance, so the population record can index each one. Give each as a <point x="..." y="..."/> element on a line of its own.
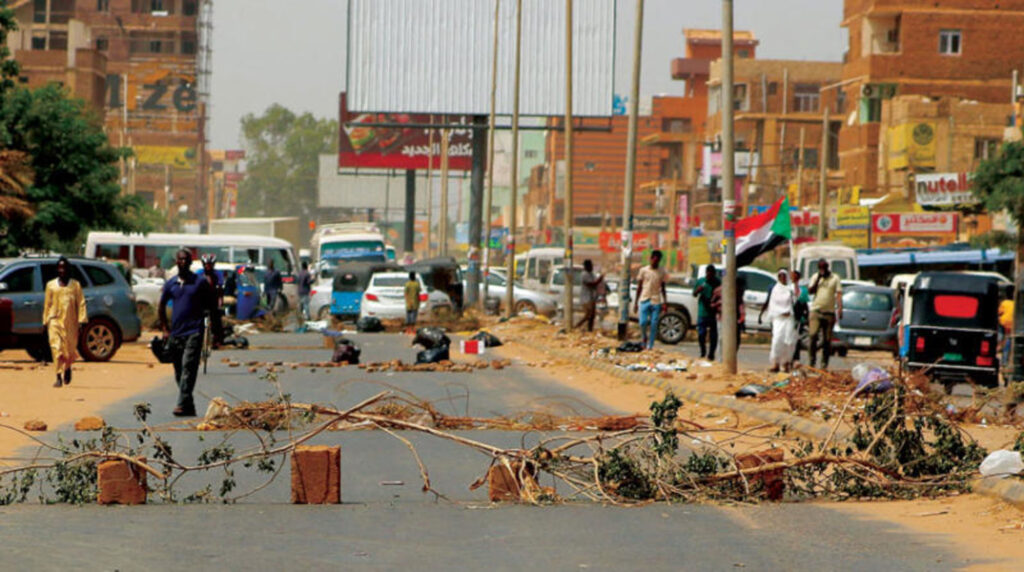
<point x="443" y="365"/>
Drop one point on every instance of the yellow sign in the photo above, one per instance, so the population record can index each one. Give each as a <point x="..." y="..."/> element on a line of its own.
<point x="852" y="217"/>
<point x="794" y="195"/>
<point x="183" y="157"/>
<point x="912" y="145"/>
<point x="698" y="250"/>
<point x="852" y="237"/>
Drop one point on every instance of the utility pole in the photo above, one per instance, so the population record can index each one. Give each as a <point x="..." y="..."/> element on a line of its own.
<point x="510" y="262"/>
<point x="800" y="170"/>
<point x="567" y="206"/>
<point x="627" y="202"/>
<point x="823" y="183"/>
<point x="430" y="192"/>
<point x="490" y="157"/>
<point x="729" y="325"/>
<point x="409" y="230"/>
<point x="445" y="135"/>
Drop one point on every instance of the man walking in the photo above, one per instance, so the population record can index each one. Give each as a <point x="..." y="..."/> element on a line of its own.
<point x="192" y="297"/>
<point x="272" y="285"/>
<point x="216" y="283"/>
<point x="651" y="298"/>
<point x="707" y="324"/>
<point x="304" y="284"/>
<point x="800" y="312"/>
<point x="412" y="301"/>
<point x="588" y="295"/>
<point x="64" y="316"/>
<point x="826" y="308"/>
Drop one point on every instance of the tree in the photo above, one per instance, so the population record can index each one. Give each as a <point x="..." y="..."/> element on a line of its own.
<point x="74" y="185"/>
<point x="282" y="151"/>
<point x="15" y="177"/>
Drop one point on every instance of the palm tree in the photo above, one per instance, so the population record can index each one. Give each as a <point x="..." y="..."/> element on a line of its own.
<point x="15" y="177"/>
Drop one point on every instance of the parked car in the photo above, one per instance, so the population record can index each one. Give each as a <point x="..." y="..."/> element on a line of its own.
<point x="951" y="328"/>
<point x="147" y="296"/>
<point x="524" y="299"/>
<point x="444" y="275"/>
<point x="349" y="282"/>
<point x="110" y="304"/>
<point x="384" y="296"/>
<point x="320" y="295"/>
<point x="674" y="324"/>
<point x="867" y="320"/>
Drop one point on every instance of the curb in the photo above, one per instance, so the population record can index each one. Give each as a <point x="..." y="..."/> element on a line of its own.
<point x="1007" y="490"/>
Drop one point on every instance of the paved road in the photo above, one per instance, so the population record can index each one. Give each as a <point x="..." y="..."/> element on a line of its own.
<point x="390" y="527"/>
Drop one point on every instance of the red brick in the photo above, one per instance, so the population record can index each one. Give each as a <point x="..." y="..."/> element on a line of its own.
<point x="316" y="475"/>
<point x="121" y="482"/>
<point x="774" y="484"/>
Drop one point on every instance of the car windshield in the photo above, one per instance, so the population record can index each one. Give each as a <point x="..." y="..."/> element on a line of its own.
<point x="867" y="301"/>
<point x="390" y="281"/>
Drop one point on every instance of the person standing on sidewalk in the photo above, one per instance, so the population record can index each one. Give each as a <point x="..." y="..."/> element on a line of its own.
<point x="826" y="308"/>
<point x="651" y="300"/>
<point x="214" y="279"/>
<point x="780" y="311"/>
<point x="588" y="295"/>
<point x="800" y="311"/>
<point x="707" y="323"/>
<point x="304" y="283"/>
<point x="64" y="315"/>
<point x="412" y="301"/>
<point x="272" y="285"/>
<point x="192" y="297"/>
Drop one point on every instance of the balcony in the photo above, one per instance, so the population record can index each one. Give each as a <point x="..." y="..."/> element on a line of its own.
<point x="689" y="68"/>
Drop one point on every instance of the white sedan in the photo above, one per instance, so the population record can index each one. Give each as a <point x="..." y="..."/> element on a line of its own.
<point x="385" y="296"/>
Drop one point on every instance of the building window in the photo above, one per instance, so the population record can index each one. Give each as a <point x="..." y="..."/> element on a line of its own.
<point x="773" y="87"/>
<point x="530" y="154"/>
<point x="806" y="97"/>
<point x="39" y="11"/>
<point x="810" y="158"/>
<point x="188" y="46"/>
<point x="102" y="44"/>
<point x="841" y="101"/>
<point x="190" y="8"/>
<point x="102" y="5"/>
<point x="739" y="97"/>
<point x="38" y="42"/>
<point x="743" y="54"/>
<point x="676" y="125"/>
<point x="985" y="148"/>
<point x="870" y="110"/>
<point x="949" y="42"/>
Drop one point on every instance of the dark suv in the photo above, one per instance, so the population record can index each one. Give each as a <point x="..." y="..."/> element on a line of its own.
<point x="108" y="297"/>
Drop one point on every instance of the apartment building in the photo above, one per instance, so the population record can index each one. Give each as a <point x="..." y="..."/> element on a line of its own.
<point x="143" y="66"/>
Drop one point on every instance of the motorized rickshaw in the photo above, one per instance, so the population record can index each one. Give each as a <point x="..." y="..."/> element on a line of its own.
<point x="442" y="274"/>
<point x="951" y="330"/>
<point x="350" y="280"/>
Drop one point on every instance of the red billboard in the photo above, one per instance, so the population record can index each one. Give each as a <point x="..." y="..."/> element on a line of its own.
<point x="365" y="142"/>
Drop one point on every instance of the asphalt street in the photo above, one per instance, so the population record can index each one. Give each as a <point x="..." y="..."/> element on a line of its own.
<point x="382" y="525"/>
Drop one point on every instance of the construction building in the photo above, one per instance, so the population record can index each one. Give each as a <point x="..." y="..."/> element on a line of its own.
<point x="144" y="66"/>
<point x="965" y="49"/>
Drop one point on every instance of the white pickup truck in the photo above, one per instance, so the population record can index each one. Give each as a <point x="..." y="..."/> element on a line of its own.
<point x="682" y="304"/>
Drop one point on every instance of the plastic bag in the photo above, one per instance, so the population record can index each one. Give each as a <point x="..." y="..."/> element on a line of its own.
<point x="369" y="324"/>
<point x="631" y="347"/>
<point x="161" y="348"/>
<point x="345" y="352"/>
<point x="490" y="340"/>
<point x="1002" y="463"/>
<point x="433" y="355"/>
<point x="871" y="378"/>
<point x="431" y="338"/>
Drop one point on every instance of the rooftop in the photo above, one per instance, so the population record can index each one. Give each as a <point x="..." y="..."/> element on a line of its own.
<point x="700" y="36"/>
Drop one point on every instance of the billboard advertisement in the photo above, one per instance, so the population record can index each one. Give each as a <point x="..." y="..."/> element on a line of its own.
<point x="914" y="223"/>
<point x="944" y="189"/>
<point x="362" y="143"/>
<point x="912" y="145"/>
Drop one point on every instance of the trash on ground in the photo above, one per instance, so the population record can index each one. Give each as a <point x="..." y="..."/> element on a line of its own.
<point x="472" y="347"/>
<point x="489" y="340"/>
<point x="433" y="355"/>
<point x="1002" y="463"/>
<point x="752" y="390"/>
<point x="431" y="337"/>
<point x="631" y="347"/>
<point x="871" y="378"/>
<point x="369" y="325"/>
<point x="345" y="351"/>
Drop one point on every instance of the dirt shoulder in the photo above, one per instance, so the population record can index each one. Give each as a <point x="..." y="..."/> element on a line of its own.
<point x="26" y="391"/>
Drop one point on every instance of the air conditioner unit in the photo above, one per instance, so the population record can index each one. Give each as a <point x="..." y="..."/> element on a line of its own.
<point x="867" y="90"/>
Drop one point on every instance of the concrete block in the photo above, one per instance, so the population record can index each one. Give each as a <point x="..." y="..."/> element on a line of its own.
<point x="316" y="475"/>
<point x="120" y="482"/>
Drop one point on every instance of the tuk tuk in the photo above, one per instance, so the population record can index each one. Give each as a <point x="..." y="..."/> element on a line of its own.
<point x="443" y="274"/>
<point x="953" y="329"/>
<point x="350" y="280"/>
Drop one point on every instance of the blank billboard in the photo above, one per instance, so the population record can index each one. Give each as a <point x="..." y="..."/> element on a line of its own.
<point x="434" y="56"/>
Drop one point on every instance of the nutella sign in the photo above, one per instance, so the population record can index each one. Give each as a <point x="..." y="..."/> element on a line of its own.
<point x="944" y="189"/>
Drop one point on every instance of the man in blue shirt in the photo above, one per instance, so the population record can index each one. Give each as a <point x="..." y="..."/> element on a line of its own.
<point x="192" y="297"/>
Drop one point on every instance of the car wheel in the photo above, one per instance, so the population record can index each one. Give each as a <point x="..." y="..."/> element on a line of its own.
<point x="672" y="327"/>
<point x="99" y="341"/>
<point x="841" y="352"/>
<point x="40" y="353"/>
<point x="524" y="306"/>
<point x="324" y="313"/>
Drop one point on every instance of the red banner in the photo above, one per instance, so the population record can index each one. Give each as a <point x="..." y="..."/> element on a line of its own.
<point x="612" y="241"/>
<point x="364" y="144"/>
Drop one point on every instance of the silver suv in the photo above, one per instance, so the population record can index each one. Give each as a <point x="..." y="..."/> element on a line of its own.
<point x="109" y="302"/>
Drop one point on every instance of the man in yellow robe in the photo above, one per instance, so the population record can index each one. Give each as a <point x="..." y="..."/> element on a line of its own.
<point x="64" y="314"/>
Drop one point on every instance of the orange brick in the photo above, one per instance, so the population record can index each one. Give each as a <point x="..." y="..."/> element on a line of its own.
<point x="316" y="475"/>
<point x="120" y="482"/>
<point x="774" y="484"/>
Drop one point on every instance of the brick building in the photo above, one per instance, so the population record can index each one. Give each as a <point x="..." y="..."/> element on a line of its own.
<point x="956" y="48"/>
<point x="140" y="60"/>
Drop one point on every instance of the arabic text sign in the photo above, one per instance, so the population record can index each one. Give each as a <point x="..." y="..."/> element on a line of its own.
<point x="919" y="223"/>
<point x="944" y="189"/>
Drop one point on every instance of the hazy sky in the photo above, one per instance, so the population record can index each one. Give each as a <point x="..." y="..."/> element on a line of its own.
<point x="293" y="53"/>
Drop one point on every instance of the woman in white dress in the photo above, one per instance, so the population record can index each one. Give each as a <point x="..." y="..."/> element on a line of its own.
<point x="780" y="311"/>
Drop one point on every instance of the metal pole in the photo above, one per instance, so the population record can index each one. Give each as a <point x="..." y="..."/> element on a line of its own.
<point x="476" y="196"/>
<point x="729" y="310"/>
<point x="823" y="183"/>
<point x="627" y="202"/>
<point x="567" y="210"/>
<point x="514" y="175"/>
<point x="430" y="192"/>
<point x="409" y="234"/>
<point x="443" y="234"/>
<point x="800" y="170"/>
<point x="489" y="198"/>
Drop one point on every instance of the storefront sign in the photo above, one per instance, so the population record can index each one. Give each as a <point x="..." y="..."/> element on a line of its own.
<point x="914" y="223"/>
<point x="612" y="241"/>
<point x="944" y="189"/>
